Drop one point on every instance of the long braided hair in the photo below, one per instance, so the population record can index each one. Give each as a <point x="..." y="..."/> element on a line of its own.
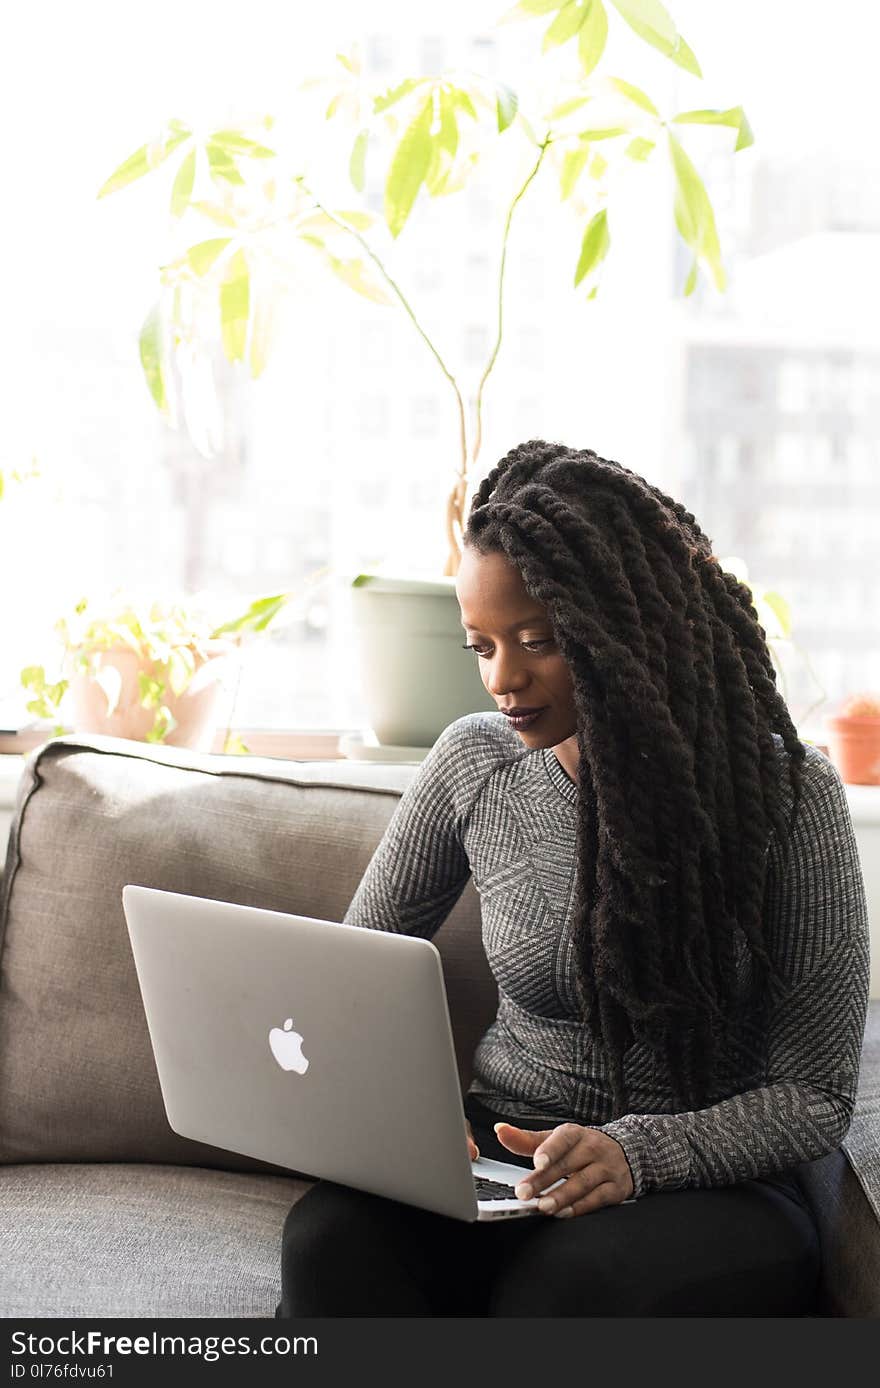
<point x="679" y="786"/>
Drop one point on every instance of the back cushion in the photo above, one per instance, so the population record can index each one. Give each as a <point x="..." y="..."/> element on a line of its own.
<point x="77" y="1077"/>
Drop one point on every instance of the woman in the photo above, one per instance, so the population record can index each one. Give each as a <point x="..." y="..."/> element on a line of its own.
<point x="673" y="911"/>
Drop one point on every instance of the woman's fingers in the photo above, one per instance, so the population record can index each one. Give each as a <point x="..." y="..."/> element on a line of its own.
<point x="578" y="1189"/>
<point x="520" y="1140"/>
<point x="606" y="1193"/>
<point x="473" y="1149"/>
<point x="556" y="1156"/>
<point x="580" y="1161"/>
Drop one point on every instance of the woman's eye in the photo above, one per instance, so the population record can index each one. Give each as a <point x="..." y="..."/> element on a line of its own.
<point x="530" y="645"/>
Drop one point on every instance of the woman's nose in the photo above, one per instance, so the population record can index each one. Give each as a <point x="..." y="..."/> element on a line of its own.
<point x="504" y="673"/>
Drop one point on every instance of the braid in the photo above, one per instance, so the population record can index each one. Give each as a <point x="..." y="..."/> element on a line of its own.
<point x="678" y="788"/>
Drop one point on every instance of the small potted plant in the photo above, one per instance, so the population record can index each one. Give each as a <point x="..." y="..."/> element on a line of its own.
<point x="854" y="739"/>
<point x="147" y="671"/>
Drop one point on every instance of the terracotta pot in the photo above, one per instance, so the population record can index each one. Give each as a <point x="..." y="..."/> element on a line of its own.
<point x="854" y="748"/>
<point x="195" y="710"/>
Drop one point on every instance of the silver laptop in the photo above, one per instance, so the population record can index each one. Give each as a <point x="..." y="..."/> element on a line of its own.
<point x="321" y="1047"/>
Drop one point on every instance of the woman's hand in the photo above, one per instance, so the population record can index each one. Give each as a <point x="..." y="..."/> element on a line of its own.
<point x="473" y="1149"/>
<point x="595" y="1165"/>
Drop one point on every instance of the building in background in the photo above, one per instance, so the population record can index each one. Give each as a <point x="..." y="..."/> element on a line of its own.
<point x="780" y="416"/>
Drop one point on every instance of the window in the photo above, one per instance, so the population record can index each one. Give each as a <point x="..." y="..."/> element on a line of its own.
<point x="763" y="402"/>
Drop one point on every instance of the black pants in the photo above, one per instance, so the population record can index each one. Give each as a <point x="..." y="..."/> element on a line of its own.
<point x="745" y="1250"/>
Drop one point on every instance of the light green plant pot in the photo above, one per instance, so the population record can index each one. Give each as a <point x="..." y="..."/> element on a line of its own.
<point x="415" y="677"/>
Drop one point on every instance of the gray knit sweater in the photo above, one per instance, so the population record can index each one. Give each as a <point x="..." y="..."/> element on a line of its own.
<point x="484" y="804"/>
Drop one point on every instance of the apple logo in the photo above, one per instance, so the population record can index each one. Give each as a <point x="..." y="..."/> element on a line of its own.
<point x="287" y="1048"/>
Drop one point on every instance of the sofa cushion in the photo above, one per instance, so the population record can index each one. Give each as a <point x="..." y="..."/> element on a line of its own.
<point x="77" y="1077"/>
<point x="140" y="1240"/>
<point x="849" y="1236"/>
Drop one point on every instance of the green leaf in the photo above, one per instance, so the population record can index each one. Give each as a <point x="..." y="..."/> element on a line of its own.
<point x="349" y="63"/>
<point x="565" y="108"/>
<point x="781" y="610"/>
<point x="236" y="143"/>
<point x="164" y="724"/>
<point x="48" y="696"/>
<point x="592" y="37"/>
<point x="256" y="618"/>
<point x="639" y="148"/>
<point x="604" y="132"/>
<point x="690" y="283"/>
<point x="506" y="104"/>
<point x="262" y="332"/>
<point x="565" y="26"/>
<point x="234" y="747"/>
<point x="204" y="254"/>
<point x="410" y="164"/>
<point x="322" y="223"/>
<point x="214" y="213"/>
<point x="222" y="164"/>
<point x="634" y="94"/>
<point x="447" y="136"/>
<point x="653" y="23"/>
<point x="334" y="106"/>
<point x="395" y="94"/>
<point x="150" y="690"/>
<point x="573" y="164"/>
<point x="594" y="247"/>
<point x="694" y="216"/>
<point x="462" y="100"/>
<point x="151" y="346"/>
<point x="183" y="185"/>
<point x="735" y="116"/>
<point x="444" y="147"/>
<point x="33" y="677"/>
<point x="134" y="167"/>
<point x="362" y="221"/>
<point x="650" y="19"/>
<point x="529" y="130"/>
<point x="147" y="158"/>
<point x="357" y="164"/>
<point x="235" y="307"/>
<point x="598" y="165"/>
<point x="181" y="668"/>
<point x="685" y="57"/>
<point x="354" y="274"/>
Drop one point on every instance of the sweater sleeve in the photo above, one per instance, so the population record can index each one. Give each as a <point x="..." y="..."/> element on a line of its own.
<point x="817" y="930"/>
<point x="419" y="868"/>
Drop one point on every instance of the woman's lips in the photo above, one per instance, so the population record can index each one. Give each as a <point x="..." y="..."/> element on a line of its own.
<point x="525" y="720"/>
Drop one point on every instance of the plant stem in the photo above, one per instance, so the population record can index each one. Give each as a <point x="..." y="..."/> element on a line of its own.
<point x="809" y="664"/>
<point x="478" y="434"/>
<point x="395" y="287"/>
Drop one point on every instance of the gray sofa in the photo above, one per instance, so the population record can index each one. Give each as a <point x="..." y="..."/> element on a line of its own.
<point x="105" y="1211"/>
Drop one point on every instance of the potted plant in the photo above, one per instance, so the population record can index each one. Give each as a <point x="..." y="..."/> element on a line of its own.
<point x="425" y="138"/>
<point x="854" y="739"/>
<point x="148" y="671"/>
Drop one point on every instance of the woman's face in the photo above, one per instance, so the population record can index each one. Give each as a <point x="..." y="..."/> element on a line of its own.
<point x="519" y="661"/>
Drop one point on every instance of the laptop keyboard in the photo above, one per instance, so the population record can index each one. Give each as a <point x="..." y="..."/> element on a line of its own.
<point x="493" y="1190"/>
